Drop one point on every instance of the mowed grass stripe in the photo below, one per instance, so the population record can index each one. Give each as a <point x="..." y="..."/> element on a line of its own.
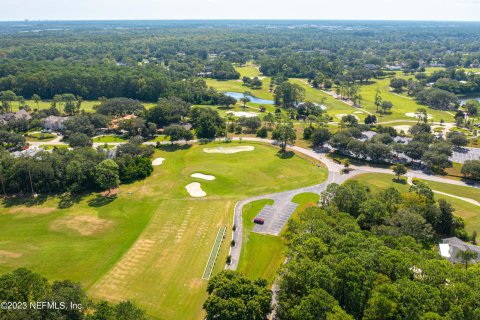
<point x="213" y="255"/>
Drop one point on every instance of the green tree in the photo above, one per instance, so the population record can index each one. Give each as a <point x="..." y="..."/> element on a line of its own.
<point x="320" y="137"/>
<point x="467" y="256"/>
<point x="36" y="98"/>
<point x="79" y="140"/>
<point x="106" y="175"/>
<point x="235" y="297"/>
<point x="178" y="132"/>
<point x="378" y="99"/>
<point x="284" y="134"/>
<point x="386" y="106"/>
<point x="399" y="170"/>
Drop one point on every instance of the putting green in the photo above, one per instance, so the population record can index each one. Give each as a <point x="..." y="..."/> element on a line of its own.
<point x="151" y="244"/>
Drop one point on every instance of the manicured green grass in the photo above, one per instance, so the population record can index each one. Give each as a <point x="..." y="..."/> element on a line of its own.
<point x="249" y="70"/>
<point x="237" y="86"/>
<point x="53" y="146"/>
<point x="38" y="136"/>
<point x="151" y="243"/>
<point x="334" y="106"/>
<point x="86" y="105"/>
<point x="459" y="191"/>
<point x="469" y="212"/>
<point x="108" y="139"/>
<point x="261" y="254"/>
<point x="401" y="103"/>
<point x="305" y="198"/>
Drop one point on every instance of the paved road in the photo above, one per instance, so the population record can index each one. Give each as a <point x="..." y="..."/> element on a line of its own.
<point x="282" y="199"/>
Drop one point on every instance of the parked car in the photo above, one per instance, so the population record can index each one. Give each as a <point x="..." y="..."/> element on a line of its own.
<point x="258" y="221"/>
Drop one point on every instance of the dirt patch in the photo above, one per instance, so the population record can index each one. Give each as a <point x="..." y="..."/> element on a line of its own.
<point x="110" y="193"/>
<point x="84" y="225"/>
<point x="9" y="254"/>
<point x="31" y="210"/>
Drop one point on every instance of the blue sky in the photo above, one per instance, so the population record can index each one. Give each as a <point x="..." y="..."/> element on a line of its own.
<point x="457" y="10"/>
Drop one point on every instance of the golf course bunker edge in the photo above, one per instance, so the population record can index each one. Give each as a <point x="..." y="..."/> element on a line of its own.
<point x="229" y="150"/>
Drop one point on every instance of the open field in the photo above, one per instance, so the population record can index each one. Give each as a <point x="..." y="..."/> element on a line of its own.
<point x="401" y="103"/>
<point x="249" y="70"/>
<point x="469" y="212"/>
<point x="86" y="105"/>
<point x="150" y="244"/>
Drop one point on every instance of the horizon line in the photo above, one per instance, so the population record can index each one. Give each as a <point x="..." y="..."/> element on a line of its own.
<point x="234" y="19"/>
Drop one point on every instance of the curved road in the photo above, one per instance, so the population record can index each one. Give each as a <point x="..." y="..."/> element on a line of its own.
<point x="334" y="176"/>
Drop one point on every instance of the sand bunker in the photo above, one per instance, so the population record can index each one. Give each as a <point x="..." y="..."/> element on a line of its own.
<point x="404" y="128"/>
<point x="341" y="115"/>
<point x="84" y="225"/>
<point x="229" y="150"/>
<point x="416" y="115"/>
<point x="195" y="190"/>
<point x="243" y="114"/>
<point x="158" y="161"/>
<point x="203" y="176"/>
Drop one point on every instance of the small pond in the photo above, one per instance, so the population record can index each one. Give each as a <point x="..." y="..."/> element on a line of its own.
<point x="238" y="96"/>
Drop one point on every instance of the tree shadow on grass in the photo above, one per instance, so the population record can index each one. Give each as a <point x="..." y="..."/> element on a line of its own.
<point x="24" y="200"/>
<point x="67" y="200"/>
<point x="285" y="154"/>
<point x="399" y="181"/>
<point x="174" y="147"/>
<point x="100" y="201"/>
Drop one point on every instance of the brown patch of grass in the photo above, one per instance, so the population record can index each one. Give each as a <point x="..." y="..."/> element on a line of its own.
<point x="84" y="225"/>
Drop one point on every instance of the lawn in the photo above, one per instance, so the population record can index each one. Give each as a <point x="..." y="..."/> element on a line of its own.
<point x="401" y="103"/>
<point x="261" y="254"/>
<point x="108" y="139"/>
<point x="249" y="70"/>
<point x="152" y="242"/>
<point x="38" y="136"/>
<point x="469" y="212"/>
<point x="86" y="105"/>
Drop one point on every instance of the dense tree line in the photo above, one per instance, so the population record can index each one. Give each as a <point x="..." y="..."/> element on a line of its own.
<point x="78" y="170"/>
<point x="364" y="256"/>
<point x="23" y="287"/>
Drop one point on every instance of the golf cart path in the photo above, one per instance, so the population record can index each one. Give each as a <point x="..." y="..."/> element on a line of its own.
<point x="475" y="202"/>
<point x="284" y="199"/>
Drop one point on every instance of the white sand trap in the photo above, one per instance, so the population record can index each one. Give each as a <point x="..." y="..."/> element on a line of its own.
<point x="195" y="190"/>
<point x="416" y="115"/>
<point x="243" y="114"/>
<point x="203" y="176"/>
<point x="229" y="150"/>
<point x="358" y="112"/>
<point x="402" y="128"/>
<point x="158" y="161"/>
<point x="341" y="115"/>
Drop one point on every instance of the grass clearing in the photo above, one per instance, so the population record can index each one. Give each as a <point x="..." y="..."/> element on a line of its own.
<point x="108" y="139"/>
<point x="151" y="243"/>
<point x="261" y="254"/>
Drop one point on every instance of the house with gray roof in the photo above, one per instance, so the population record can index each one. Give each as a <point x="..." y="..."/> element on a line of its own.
<point x="450" y="247"/>
<point x="54" y="122"/>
